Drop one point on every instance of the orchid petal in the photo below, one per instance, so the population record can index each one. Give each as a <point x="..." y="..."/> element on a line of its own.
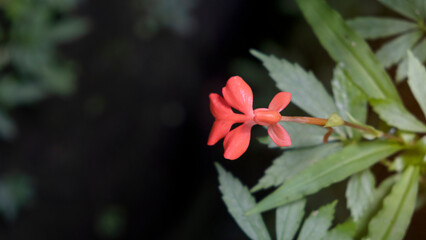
<point x="219" y="130"/>
<point x="237" y="141"/>
<point x="279" y="135"/>
<point x="219" y="107"/>
<point x="222" y="111"/>
<point x="280" y="101"/>
<point x="238" y="94"/>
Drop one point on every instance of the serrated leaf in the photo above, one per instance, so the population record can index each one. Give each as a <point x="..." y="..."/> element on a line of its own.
<point x="288" y="219"/>
<point x="238" y="200"/>
<point x="420" y="52"/>
<point x="393" y="51"/>
<point x="360" y="193"/>
<point x="292" y="162"/>
<point x="317" y="224"/>
<point x="336" y="167"/>
<point x="379" y="27"/>
<point x="371" y="210"/>
<point x="306" y="91"/>
<point x="397" y="115"/>
<point x="417" y="80"/>
<point x="349" y="50"/>
<point x="344" y="231"/>
<point x="398" y="207"/>
<point x="350" y="101"/>
<point x="408" y="8"/>
<point x="302" y="135"/>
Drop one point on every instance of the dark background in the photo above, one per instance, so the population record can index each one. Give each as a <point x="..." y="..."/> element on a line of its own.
<point x="125" y="156"/>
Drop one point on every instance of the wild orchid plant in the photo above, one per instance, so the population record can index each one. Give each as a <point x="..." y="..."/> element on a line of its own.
<point x="341" y="145"/>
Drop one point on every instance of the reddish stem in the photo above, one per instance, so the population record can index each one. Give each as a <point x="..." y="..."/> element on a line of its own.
<point x="322" y="122"/>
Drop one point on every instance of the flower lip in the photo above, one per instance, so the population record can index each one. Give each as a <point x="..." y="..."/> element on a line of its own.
<point x="266" y="117"/>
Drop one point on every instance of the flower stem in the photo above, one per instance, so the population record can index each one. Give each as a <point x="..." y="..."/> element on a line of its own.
<point x="322" y="122"/>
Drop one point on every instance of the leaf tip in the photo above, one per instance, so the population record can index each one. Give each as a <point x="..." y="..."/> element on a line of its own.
<point x="219" y="168"/>
<point x="259" y="55"/>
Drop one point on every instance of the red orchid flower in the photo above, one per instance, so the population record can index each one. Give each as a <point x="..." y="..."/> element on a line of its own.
<point x="238" y="95"/>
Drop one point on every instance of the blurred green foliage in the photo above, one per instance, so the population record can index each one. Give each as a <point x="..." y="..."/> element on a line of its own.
<point x="16" y="192"/>
<point x="155" y="15"/>
<point x="30" y="66"/>
<point x="111" y="222"/>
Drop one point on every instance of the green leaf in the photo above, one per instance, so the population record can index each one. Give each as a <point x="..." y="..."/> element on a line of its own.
<point x="349" y="50"/>
<point x="373" y="208"/>
<point x="59" y="79"/>
<point x="398" y="207"/>
<point x="14" y="93"/>
<point x="344" y="231"/>
<point x="68" y="30"/>
<point x="420" y="8"/>
<point x="292" y="162"/>
<point x="393" y="51"/>
<point x="288" y="219"/>
<point x="397" y="115"/>
<point x="408" y="158"/>
<point x="378" y="27"/>
<point x="336" y="167"/>
<point x="404" y="7"/>
<point x="302" y="135"/>
<point x="350" y="101"/>
<point x="306" y="91"/>
<point x="360" y="193"/>
<point x="317" y="224"/>
<point x="238" y="200"/>
<point x="16" y="193"/>
<point x="7" y="126"/>
<point x="417" y="80"/>
<point x="420" y="52"/>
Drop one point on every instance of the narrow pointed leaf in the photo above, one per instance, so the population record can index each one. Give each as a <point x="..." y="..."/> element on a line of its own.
<point x="306" y="91"/>
<point x="373" y="208"/>
<point x="397" y="115"/>
<point x="417" y="80"/>
<point x="407" y="8"/>
<point x="375" y="27"/>
<point x="420" y="52"/>
<point x="238" y="200"/>
<point x="344" y="231"/>
<point x="349" y="50"/>
<point x="349" y="99"/>
<point x="360" y="193"/>
<point x="292" y="162"/>
<point x="334" y="168"/>
<point x="398" y="207"/>
<point x="288" y="219"/>
<point x="393" y="51"/>
<point x="317" y="224"/>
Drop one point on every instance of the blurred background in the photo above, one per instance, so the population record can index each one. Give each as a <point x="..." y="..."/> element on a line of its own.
<point x="104" y="112"/>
